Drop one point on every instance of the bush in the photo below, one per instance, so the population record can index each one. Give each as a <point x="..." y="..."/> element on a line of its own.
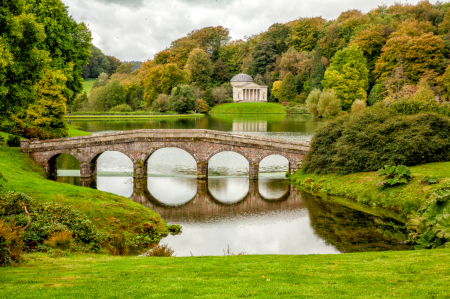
<point x="13" y="141"/>
<point x="312" y="102"/>
<point x="395" y="175"/>
<point x="296" y="108"/>
<point x="358" y="106"/>
<point x="174" y="229"/>
<point x="160" y="251"/>
<point x="60" y="240"/>
<point x="122" y="108"/>
<point x="16" y="126"/>
<point x="182" y="99"/>
<point x="161" y="104"/>
<point x="11" y="243"/>
<point x="375" y="95"/>
<point x="376" y="137"/>
<point x="329" y="104"/>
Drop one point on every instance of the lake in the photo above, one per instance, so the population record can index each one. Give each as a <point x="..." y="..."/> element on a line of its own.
<point x="228" y="212"/>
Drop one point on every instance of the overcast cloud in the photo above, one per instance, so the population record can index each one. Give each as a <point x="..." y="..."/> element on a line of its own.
<point x="138" y="29"/>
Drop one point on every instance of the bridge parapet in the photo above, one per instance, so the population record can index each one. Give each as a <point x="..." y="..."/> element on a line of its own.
<point x="139" y="145"/>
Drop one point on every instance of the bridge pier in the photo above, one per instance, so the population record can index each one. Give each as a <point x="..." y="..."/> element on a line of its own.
<point x="293" y="168"/>
<point x="139" y="170"/>
<point x="202" y="170"/>
<point x="253" y="171"/>
<point x="89" y="182"/>
<point x="88" y="170"/>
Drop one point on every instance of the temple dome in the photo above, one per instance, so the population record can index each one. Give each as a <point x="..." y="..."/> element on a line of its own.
<point x="242" y="78"/>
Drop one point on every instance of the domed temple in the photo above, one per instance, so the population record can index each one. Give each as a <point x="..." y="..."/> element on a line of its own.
<point x="245" y="90"/>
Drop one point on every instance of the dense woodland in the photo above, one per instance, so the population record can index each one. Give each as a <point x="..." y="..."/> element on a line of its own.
<point x="398" y="55"/>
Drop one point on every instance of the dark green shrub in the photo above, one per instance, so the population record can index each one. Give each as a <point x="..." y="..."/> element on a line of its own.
<point x="376" y="137"/>
<point x="13" y="141"/>
<point x="430" y="180"/>
<point x="174" y="229"/>
<point x="395" y="175"/>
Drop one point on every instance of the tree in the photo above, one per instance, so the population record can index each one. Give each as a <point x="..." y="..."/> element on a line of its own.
<point x="161" y="103"/>
<point x="332" y="41"/>
<point x="208" y="98"/>
<point x="221" y="73"/>
<point x="161" y="79"/>
<point x="49" y="109"/>
<point x="220" y="94"/>
<point x="277" y="33"/>
<point x="348" y="76"/>
<point x="125" y="68"/>
<point x="375" y="95"/>
<point x="98" y="63"/>
<point x="276" y="88"/>
<point x="371" y="41"/>
<point x="304" y="33"/>
<point x="444" y="83"/>
<point x="329" y="104"/>
<point x="312" y="102"/>
<point x="113" y="64"/>
<point x="262" y="57"/>
<point x="182" y="99"/>
<point x="79" y="102"/>
<point x="67" y="42"/>
<point x="419" y="49"/>
<point x="202" y="106"/>
<point x="22" y="60"/>
<point x="317" y="71"/>
<point x="199" y="68"/>
<point x="288" y="90"/>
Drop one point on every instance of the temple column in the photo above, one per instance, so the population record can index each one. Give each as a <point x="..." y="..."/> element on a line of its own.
<point x="202" y="170"/>
<point x="253" y="171"/>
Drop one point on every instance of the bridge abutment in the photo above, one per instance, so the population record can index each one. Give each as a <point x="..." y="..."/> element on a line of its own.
<point x="139" y="170"/>
<point x="253" y="172"/>
<point x="202" y="170"/>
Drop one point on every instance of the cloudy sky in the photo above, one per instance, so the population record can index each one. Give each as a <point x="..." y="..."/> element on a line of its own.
<point x="138" y="29"/>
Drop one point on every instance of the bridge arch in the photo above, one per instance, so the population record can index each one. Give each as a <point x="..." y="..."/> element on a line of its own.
<point x="223" y="163"/>
<point x="51" y="164"/>
<point x="267" y="168"/>
<point x="160" y="150"/>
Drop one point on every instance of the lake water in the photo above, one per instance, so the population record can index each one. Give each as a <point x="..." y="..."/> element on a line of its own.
<point x="228" y="211"/>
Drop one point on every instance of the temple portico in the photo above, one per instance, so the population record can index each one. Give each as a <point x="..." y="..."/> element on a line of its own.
<point x="245" y="90"/>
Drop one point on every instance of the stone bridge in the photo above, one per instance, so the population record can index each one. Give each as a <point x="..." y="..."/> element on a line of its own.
<point x="139" y="145"/>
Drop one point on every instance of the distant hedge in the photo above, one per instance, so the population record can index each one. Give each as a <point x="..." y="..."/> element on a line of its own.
<point x="124" y="113"/>
<point x="377" y="137"/>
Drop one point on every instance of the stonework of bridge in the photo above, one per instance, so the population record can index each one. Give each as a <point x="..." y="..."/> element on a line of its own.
<point x="139" y="145"/>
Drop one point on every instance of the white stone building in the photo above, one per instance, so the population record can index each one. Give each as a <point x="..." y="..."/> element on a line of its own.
<point x="245" y="90"/>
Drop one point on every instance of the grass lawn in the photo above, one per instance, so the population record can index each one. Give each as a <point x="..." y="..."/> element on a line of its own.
<point x="88" y="84"/>
<point x="75" y="131"/>
<point x="107" y="211"/>
<point x="407" y="274"/>
<point x="248" y="108"/>
<point x="133" y="116"/>
<point x="361" y="187"/>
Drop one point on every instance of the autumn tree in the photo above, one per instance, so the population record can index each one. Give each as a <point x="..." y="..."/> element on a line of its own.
<point x="161" y="104"/>
<point x="419" y="48"/>
<point x="276" y="88"/>
<point x="182" y="99"/>
<point x="317" y="71"/>
<point x="304" y="33"/>
<point x="199" y="68"/>
<point x="263" y="57"/>
<point x="113" y="64"/>
<point x="232" y="55"/>
<point x="348" y="76"/>
<point x="332" y="41"/>
<point x="221" y="73"/>
<point x="49" y="109"/>
<point x="125" y="68"/>
<point x="444" y="83"/>
<point x="277" y="33"/>
<point x="161" y="79"/>
<point x="22" y="60"/>
<point x="371" y="41"/>
<point x="288" y="90"/>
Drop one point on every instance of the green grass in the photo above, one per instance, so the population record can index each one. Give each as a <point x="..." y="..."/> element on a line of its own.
<point x="360" y="187"/>
<point x="132" y="116"/>
<point x="248" y="108"/>
<point x="75" y="131"/>
<point x="88" y="84"/>
<point x="109" y="212"/>
<point x="412" y="274"/>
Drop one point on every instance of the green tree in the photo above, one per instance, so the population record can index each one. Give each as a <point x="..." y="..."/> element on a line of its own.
<point x="161" y="103"/>
<point x="277" y="33"/>
<point x="304" y="34"/>
<point x="348" y="76"/>
<point x="375" y="95"/>
<point x="67" y="42"/>
<point x="332" y="41"/>
<point x="263" y="57"/>
<point x="49" y="109"/>
<point x="221" y="74"/>
<point x="208" y="98"/>
<point x="199" y="68"/>
<point x="288" y="90"/>
<point x="79" y="102"/>
<point x="161" y="79"/>
<point x="182" y="99"/>
<point x="317" y="71"/>
<point x="125" y="68"/>
<point x="113" y="64"/>
<point x="98" y="63"/>
<point x="312" y="102"/>
<point x="329" y="104"/>
<point x="22" y="60"/>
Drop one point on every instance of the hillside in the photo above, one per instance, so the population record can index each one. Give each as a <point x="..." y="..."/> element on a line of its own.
<point x="248" y="108"/>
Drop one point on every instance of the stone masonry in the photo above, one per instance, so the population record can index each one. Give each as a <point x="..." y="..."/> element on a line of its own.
<point x="139" y="145"/>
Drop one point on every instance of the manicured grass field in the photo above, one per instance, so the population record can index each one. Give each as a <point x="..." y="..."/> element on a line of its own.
<point x="133" y="116"/>
<point x="109" y="212"/>
<point x="248" y="108"/>
<point x="88" y="84"/>
<point x="361" y="187"/>
<point x="75" y="131"/>
<point x="411" y="274"/>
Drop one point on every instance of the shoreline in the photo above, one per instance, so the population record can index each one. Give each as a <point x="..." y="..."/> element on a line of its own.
<point x="133" y="116"/>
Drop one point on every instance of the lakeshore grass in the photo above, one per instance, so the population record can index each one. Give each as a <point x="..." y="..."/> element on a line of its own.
<point x="88" y="84"/>
<point x="361" y="187"/>
<point x="401" y="274"/>
<point x="248" y="108"/>
<point x="75" y="131"/>
<point x="133" y="116"/>
<point x="110" y="213"/>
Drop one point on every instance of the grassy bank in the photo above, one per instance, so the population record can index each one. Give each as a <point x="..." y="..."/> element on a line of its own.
<point x="416" y="274"/>
<point x="88" y="84"/>
<point x="109" y="212"/>
<point x="133" y="116"/>
<point x="361" y="187"/>
<point x="248" y="108"/>
<point x="75" y="131"/>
